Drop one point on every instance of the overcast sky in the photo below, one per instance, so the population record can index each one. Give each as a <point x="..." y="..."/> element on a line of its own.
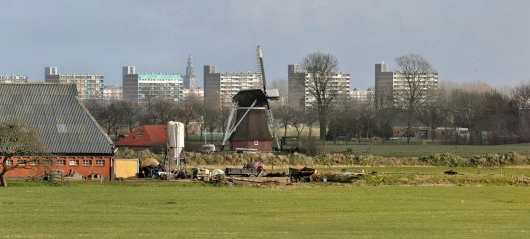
<point x="465" y="41"/>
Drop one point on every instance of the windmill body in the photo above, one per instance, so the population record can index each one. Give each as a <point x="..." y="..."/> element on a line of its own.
<point x="251" y="129"/>
<point x="249" y="119"/>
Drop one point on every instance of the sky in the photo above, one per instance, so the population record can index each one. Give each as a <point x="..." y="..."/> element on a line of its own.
<point x="465" y="41"/>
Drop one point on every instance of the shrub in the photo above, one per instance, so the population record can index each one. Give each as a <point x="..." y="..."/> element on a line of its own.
<point x="445" y="159"/>
<point x="341" y="178"/>
<point x="496" y="160"/>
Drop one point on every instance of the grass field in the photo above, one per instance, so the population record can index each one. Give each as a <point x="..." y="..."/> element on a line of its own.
<point x="180" y="209"/>
<point x="398" y="148"/>
<point x="417" y="150"/>
<point x="158" y="209"/>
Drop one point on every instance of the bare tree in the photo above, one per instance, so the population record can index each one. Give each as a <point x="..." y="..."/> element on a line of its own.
<point x="345" y="118"/>
<point x="283" y="115"/>
<point x="521" y="95"/>
<point x="282" y="86"/>
<point x="211" y="119"/>
<point x="192" y="109"/>
<point x="149" y="97"/>
<point x="417" y="89"/>
<point x="97" y="108"/>
<point x="114" y="115"/>
<point x="106" y="114"/>
<point x="17" y="139"/>
<point x="163" y="111"/>
<point x="299" y="123"/>
<point x="320" y="68"/>
<point x="130" y="112"/>
<point x="499" y="114"/>
<point x="223" y="118"/>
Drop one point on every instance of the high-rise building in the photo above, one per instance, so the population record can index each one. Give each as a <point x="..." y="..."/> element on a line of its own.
<point x="219" y="88"/>
<point x="13" y="78"/>
<point x="143" y="87"/>
<point x="299" y="96"/>
<point x="189" y="78"/>
<point x="390" y="86"/>
<point x="89" y="86"/>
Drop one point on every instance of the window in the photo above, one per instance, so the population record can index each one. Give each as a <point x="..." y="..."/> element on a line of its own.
<point x="74" y="162"/>
<point x="256" y="142"/>
<point x="87" y="162"/>
<point x="100" y="162"/>
<point x="61" y="162"/>
<point x="21" y="162"/>
<point x="9" y="162"/>
<point x="47" y="162"/>
<point x="34" y="162"/>
<point x="61" y="128"/>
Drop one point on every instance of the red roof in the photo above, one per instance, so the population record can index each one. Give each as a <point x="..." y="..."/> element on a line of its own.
<point x="145" y="136"/>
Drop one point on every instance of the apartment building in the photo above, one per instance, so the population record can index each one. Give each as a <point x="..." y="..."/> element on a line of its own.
<point x="13" y="78"/>
<point x="362" y="95"/>
<point x="113" y="93"/>
<point x="391" y="86"/>
<point x="148" y="86"/>
<point x="89" y="86"/>
<point x="219" y="88"/>
<point x="298" y="93"/>
<point x="195" y="93"/>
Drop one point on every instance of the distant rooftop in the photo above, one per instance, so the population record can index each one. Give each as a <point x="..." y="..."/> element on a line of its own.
<point x="159" y="76"/>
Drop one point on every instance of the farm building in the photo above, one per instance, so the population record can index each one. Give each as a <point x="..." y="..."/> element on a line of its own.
<point x="453" y="134"/>
<point x="74" y="140"/>
<point x="417" y="132"/>
<point x="153" y="137"/>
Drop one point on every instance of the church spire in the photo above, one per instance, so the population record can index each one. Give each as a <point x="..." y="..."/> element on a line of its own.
<point x="190" y="78"/>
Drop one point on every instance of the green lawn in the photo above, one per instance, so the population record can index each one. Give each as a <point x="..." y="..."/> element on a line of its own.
<point x="398" y="148"/>
<point x="196" y="210"/>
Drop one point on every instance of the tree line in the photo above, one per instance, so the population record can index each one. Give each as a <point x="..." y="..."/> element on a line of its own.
<point x="498" y="115"/>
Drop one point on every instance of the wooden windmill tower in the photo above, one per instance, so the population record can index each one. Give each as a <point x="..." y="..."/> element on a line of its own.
<point x="250" y="118"/>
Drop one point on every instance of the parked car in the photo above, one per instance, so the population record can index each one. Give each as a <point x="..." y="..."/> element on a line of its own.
<point x="207" y="149"/>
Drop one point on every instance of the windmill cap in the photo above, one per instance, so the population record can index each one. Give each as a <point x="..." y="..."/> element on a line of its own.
<point x="245" y="98"/>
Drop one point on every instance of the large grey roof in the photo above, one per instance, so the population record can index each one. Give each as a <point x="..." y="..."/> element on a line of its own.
<point x="53" y="110"/>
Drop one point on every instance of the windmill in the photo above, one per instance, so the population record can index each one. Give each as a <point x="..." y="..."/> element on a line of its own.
<point x="248" y="125"/>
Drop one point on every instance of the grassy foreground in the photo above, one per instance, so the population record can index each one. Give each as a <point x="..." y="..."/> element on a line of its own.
<point x="158" y="209"/>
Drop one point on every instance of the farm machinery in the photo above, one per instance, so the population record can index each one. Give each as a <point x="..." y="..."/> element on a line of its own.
<point x="256" y="169"/>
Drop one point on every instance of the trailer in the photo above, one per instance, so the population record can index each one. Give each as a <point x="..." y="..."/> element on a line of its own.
<point x="304" y="174"/>
<point x="252" y="168"/>
<point x="247" y="172"/>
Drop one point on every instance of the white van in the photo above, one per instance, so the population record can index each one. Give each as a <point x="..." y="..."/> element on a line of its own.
<point x="207" y="149"/>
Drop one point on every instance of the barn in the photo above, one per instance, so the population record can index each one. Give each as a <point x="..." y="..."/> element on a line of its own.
<point x="74" y="140"/>
<point x="152" y="137"/>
